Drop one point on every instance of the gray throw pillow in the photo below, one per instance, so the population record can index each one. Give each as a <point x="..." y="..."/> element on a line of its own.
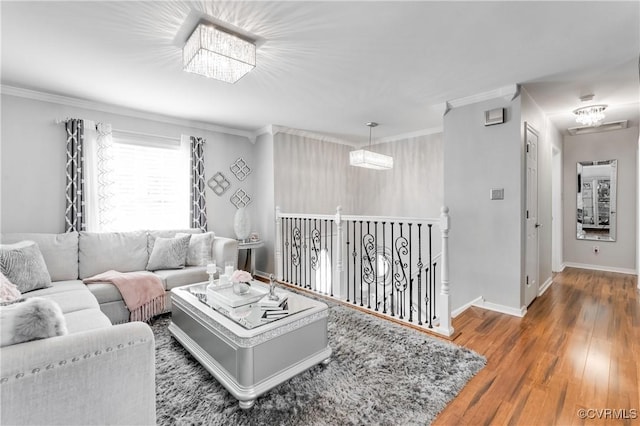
<point x="169" y="253"/>
<point x="31" y="319"/>
<point x="23" y="264"/>
<point x="200" y="247"/>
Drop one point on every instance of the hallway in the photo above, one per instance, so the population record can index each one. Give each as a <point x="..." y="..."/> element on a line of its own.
<point x="577" y="348"/>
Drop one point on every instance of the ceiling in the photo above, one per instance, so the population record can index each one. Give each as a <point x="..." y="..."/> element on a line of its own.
<point x="329" y="67"/>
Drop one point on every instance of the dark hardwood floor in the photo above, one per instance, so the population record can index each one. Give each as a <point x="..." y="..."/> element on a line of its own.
<point x="578" y="348"/>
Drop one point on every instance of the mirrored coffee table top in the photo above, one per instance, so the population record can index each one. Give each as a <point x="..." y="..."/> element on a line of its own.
<point x="252" y="310"/>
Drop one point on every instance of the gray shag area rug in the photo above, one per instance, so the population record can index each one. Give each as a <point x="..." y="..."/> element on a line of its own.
<point x="380" y="373"/>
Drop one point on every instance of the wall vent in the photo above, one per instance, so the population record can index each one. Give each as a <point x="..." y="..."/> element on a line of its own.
<point x="604" y="127"/>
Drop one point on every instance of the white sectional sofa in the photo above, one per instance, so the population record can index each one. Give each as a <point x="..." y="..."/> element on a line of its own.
<point x="103" y="370"/>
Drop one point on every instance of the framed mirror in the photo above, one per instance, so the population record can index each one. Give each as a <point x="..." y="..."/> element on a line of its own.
<point x="596" y="202"/>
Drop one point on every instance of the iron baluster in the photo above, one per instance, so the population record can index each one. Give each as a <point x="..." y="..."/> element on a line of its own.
<point x="384" y="266"/>
<point x="361" y="264"/>
<point x="420" y="265"/>
<point x="354" y="255"/>
<point x="434" y="290"/>
<point x="411" y="277"/>
<point x="392" y="276"/>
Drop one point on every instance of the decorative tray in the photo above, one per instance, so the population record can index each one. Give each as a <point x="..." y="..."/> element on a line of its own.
<point x="224" y="294"/>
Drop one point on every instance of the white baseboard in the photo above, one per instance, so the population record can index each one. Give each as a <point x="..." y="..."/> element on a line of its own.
<point x="545" y="286"/>
<point x="601" y="268"/>
<point x="464" y="307"/>
<point x="501" y="308"/>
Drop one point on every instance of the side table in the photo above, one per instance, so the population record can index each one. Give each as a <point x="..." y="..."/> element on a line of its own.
<point x="251" y="246"/>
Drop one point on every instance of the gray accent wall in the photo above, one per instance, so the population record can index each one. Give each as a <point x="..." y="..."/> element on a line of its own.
<point x="313" y="176"/>
<point x="621" y="145"/>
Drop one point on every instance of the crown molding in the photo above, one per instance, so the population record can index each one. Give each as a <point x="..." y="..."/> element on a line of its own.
<point x="416" y="134"/>
<point x="507" y="92"/>
<point x="114" y="109"/>
<point x="275" y="129"/>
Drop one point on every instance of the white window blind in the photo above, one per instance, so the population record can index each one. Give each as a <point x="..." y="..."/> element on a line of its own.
<point x="150" y="183"/>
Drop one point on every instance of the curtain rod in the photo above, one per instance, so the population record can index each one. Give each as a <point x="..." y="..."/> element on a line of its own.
<point x="126" y="132"/>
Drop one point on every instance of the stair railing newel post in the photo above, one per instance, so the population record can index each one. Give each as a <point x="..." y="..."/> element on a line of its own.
<point x="444" y="305"/>
<point x="338" y="275"/>
<point x="279" y="242"/>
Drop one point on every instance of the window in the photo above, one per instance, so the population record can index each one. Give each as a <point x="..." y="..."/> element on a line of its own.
<point x="149" y="182"/>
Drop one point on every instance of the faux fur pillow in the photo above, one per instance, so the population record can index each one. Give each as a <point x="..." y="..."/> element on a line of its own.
<point x="30" y="319"/>
<point x="8" y="290"/>
<point x="200" y="247"/>
<point x="169" y="253"/>
<point x="23" y="264"/>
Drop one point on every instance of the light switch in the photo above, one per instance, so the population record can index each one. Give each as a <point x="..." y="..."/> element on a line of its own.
<point x="497" y="194"/>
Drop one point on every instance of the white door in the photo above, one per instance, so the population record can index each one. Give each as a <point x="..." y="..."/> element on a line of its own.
<point x="531" y="216"/>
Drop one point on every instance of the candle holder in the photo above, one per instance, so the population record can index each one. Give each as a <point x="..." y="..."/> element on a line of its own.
<point x="272" y="288"/>
<point x="211" y="270"/>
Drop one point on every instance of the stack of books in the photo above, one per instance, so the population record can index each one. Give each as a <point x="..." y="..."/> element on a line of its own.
<point x="274" y="309"/>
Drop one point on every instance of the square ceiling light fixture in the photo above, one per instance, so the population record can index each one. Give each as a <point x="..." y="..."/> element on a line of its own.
<point x="216" y="53"/>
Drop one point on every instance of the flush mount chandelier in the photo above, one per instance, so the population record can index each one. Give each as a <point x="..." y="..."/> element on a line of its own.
<point x="369" y="159"/>
<point x="216" y="53"/>
<point x="591" y="115"/>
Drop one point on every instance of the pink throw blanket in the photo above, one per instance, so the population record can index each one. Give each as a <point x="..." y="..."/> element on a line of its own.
<point x="142" y="292"/>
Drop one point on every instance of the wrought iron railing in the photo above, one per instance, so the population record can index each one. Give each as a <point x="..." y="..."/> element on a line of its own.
<point x="397" y="267"/>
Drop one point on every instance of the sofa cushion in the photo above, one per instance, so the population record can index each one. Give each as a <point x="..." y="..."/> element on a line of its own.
<point x="169" y="253"/>
<point x="117" y="312"/>
<point x="23" y="265"/>
<point x="105" y="292"/>
<point x="86" y="319"/>
<point x="178" y="277"/>
<point x="70" y="301"/>
<point x="59" y="287"/>
<point x="31" y="319"/>
<point x="60" y="252"/>
<point x="120" y="251"/>
<point x="200" y="248"/>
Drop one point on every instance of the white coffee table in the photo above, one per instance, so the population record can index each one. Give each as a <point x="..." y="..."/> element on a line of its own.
<point x="249" y="356"/>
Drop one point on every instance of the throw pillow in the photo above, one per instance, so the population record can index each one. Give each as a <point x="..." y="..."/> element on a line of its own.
<point x="8" y="290"/>
<point x="31" y="319"/>
<point x="200" y="248"/>
<point x="23" y="264"/>
<point x="169" y="253"/>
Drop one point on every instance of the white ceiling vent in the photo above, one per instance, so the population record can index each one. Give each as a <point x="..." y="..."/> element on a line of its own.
<point x="604" y="127"/>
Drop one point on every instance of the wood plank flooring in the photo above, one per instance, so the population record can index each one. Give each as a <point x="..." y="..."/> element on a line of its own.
<point x="577" y="348"/>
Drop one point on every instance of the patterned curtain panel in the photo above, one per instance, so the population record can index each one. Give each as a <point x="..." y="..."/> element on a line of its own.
<point x="98" y="176"/>
<point x="198" y="200"/>
<point x="104" y="176"/>
<point x="74" y="209"/>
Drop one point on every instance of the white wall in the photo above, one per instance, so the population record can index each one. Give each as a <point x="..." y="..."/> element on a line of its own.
<point x="620" y="145"/>
<point x="33" y="163"/>
<point x="486" y="235"/>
